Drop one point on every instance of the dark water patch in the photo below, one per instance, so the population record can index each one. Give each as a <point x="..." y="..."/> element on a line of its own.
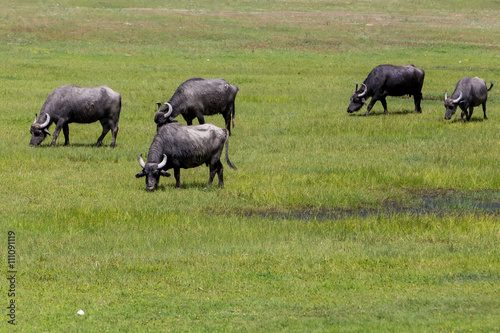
<point x="422" y="203"/>
<point x="475" y="201"/>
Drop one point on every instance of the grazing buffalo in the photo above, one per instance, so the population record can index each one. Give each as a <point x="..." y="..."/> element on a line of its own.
<point x="179" y="146"/>
<point x="388" y="80"/>
<point x="73" y="104"/>
<point x="467" y="94"/>
<point x="196" y="98"/>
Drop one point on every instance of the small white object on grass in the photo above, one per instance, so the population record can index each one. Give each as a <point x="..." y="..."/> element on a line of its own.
<point x="80" y="312"/>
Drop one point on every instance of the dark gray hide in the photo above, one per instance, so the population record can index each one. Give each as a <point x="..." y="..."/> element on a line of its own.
<point x="388" y="80"/>
<point x="179" y="146"/>
<point x="73" y="104"/>
<point x="467" y="94"/>
<point x="197" y="97"/>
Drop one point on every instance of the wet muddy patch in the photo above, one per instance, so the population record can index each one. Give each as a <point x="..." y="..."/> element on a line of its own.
<point x="421" y="203"/>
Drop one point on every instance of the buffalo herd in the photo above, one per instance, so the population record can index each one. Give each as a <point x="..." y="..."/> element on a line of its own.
<point x="177" y="146"/>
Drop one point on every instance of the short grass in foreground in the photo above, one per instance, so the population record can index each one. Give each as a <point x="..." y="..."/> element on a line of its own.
<point x="397" y="273"/>
<point x="334" y="222"/>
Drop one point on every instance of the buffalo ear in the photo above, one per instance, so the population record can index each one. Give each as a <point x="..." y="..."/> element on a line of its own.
<point x="164" y="173"/>
<point x="140" y="174"/>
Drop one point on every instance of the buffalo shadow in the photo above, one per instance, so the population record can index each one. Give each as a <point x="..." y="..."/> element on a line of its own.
<point x="374" y="113"/>
<point x="456" y="119"/>
<point x="78" y="144"/>
<point x="166" y="185"/>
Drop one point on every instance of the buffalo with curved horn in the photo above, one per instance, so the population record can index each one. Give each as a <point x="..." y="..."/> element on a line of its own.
<point x="388" y="80"/>
<point x="196" y="98"/>
<point x="177" y="146"/>
<point x="73" y="104"/>
<point x="468" y="93"/>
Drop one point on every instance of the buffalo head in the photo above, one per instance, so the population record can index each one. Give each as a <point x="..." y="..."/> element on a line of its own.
<point x="357" y="99"/>
<point x="152" y="172"/>
<point x="39" y="131"/>
<point x="451" y="105"/>
<point x="163" y="116"/>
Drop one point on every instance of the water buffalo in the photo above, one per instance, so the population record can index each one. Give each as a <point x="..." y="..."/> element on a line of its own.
<point x="73" y="104"/>
<point x="467" y="94"/>
<point x="388" y="80"/>
<point x="179" y="146"/>
<point x="196" y="98"/>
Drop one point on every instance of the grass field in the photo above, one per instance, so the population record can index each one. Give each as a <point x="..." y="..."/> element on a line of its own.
<point x="333" y="222"/>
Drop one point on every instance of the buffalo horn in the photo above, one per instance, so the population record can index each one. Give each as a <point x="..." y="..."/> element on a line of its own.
<point x="46" y="123"/>
<point x="36" y="115"/>
<point x="458" y="99"/>
<point x="163" y="163"/>
<point x="141" y="161"/>
<point x="170" y="109"/>
<point x="364" y="91"/>
<point x="445" y="95"/>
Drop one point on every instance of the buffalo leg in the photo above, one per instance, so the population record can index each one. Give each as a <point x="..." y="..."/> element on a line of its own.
<point x="384" y="104"/>
<point x="220" y="175"/>
<point x="484" y="110"/>
<point x="201" y="119"/>
<point x="216" y="168"/>
<point x="189" y="120"/>
<point x="418" y="98"/>
<point x="66" y="134"/>
<point x="370" y="106"/>
<point x="56" y="133"/>
<point x="114" y="133"/>
<point x="213" y="170"/>
<point x="177" y="175"/>
<point x="105" y="130"/>
<point x="464" y="113"/>
<point x="471" y="109"/>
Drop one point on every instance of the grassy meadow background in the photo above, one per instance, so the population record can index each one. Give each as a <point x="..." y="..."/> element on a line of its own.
<point x="333" y="222"/>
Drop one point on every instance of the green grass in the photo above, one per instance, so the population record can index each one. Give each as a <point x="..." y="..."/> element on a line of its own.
<point x="334" y="222"/>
